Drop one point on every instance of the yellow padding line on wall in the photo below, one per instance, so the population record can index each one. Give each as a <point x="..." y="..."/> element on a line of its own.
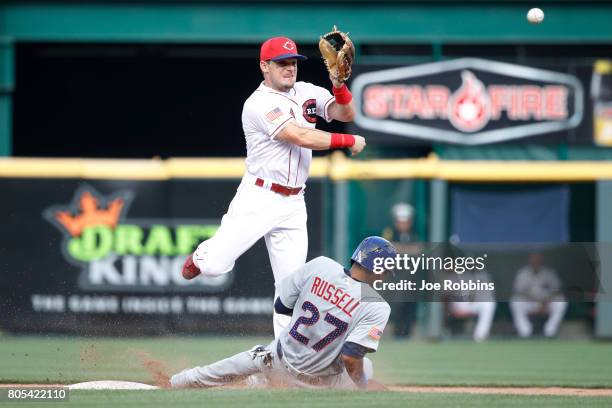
<point x="335" y="166"/>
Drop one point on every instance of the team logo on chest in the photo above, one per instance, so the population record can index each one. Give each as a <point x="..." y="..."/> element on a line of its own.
<point x="309" y="110"/>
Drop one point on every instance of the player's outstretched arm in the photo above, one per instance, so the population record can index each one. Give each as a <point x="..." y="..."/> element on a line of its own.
<point x="343" y="113"/>
<point x="354" y="368"/>
<point x="343" y="108"/>
<point x="319" y="140"/>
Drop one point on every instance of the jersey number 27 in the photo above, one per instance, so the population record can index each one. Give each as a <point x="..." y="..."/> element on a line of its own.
<point x="340" y="327"/>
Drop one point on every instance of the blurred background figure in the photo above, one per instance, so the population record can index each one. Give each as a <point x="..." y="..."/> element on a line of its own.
<point x="537" y="290"/>
<point x="469" y="303"/>
<point x="404" y="314"/>
<point x="401" y="230"/>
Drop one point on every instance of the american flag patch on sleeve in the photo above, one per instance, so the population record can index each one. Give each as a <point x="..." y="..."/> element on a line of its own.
<point x="375" y="333"/>
<point x="274" y="114"/>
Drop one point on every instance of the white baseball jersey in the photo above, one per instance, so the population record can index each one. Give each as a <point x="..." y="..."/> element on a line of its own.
<point x="265" y="113"/>
<point x="327" y="312"/>
<point x="538" y="287"/>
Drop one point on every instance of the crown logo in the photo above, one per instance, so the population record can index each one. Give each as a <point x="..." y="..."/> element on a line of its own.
<point x="90" y="214"/>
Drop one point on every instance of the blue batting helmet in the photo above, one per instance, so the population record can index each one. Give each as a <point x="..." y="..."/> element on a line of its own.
<point x="371" y="248"/>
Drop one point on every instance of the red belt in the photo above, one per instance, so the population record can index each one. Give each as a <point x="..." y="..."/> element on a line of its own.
<point x="279" y="188"/>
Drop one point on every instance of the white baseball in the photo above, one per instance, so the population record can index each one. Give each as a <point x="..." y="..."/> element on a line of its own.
<point x="535" y="15"/>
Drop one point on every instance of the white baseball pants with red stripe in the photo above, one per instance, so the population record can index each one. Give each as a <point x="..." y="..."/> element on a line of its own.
<point x="257" y="212"/>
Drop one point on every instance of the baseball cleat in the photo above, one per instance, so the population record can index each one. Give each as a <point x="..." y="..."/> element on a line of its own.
<point x="190" y="270"/>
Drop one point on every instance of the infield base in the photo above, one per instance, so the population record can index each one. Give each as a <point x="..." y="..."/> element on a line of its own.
<point x="111" y="385"/>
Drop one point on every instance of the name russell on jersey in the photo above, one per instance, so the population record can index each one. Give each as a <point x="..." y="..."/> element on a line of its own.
<point x="333" y="295"/>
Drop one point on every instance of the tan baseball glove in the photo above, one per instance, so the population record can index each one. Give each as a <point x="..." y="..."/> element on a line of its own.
<point x="338" y="52"/>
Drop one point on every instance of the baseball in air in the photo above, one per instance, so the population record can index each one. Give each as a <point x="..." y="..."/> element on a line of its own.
<point x="535" y="15"/>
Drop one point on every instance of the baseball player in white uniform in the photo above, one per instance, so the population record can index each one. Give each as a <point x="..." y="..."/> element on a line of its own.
<point x="479" y="303"/>
<point x="335" y="319"/>
<point x="537" y="289"/>
<point x="279" y="121"/>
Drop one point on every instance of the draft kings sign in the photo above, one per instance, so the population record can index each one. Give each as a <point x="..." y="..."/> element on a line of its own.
<point x="467" y="101"/>
<point x="119" y="254"/>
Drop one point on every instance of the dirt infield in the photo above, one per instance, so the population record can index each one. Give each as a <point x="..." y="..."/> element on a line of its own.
<point x="554" y="391"/>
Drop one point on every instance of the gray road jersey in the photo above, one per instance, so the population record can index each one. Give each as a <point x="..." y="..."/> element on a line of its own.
<point x="327" y="312"/>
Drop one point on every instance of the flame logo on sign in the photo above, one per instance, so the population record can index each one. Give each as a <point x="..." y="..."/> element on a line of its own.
<point x="469" y="108"/>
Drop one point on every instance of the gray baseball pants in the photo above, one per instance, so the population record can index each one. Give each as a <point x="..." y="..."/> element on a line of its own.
<point x="258" y="360"/>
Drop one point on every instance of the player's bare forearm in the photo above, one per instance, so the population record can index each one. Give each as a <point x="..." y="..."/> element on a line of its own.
<point x="343" y="108"/>
<point x="354" y="368"/>
<point x="305" y="137"/>
<point x="319" y="140"/>
<point x="343" y="113"/>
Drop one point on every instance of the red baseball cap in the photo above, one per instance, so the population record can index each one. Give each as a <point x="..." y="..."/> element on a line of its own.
<point x="279" y="48"/>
